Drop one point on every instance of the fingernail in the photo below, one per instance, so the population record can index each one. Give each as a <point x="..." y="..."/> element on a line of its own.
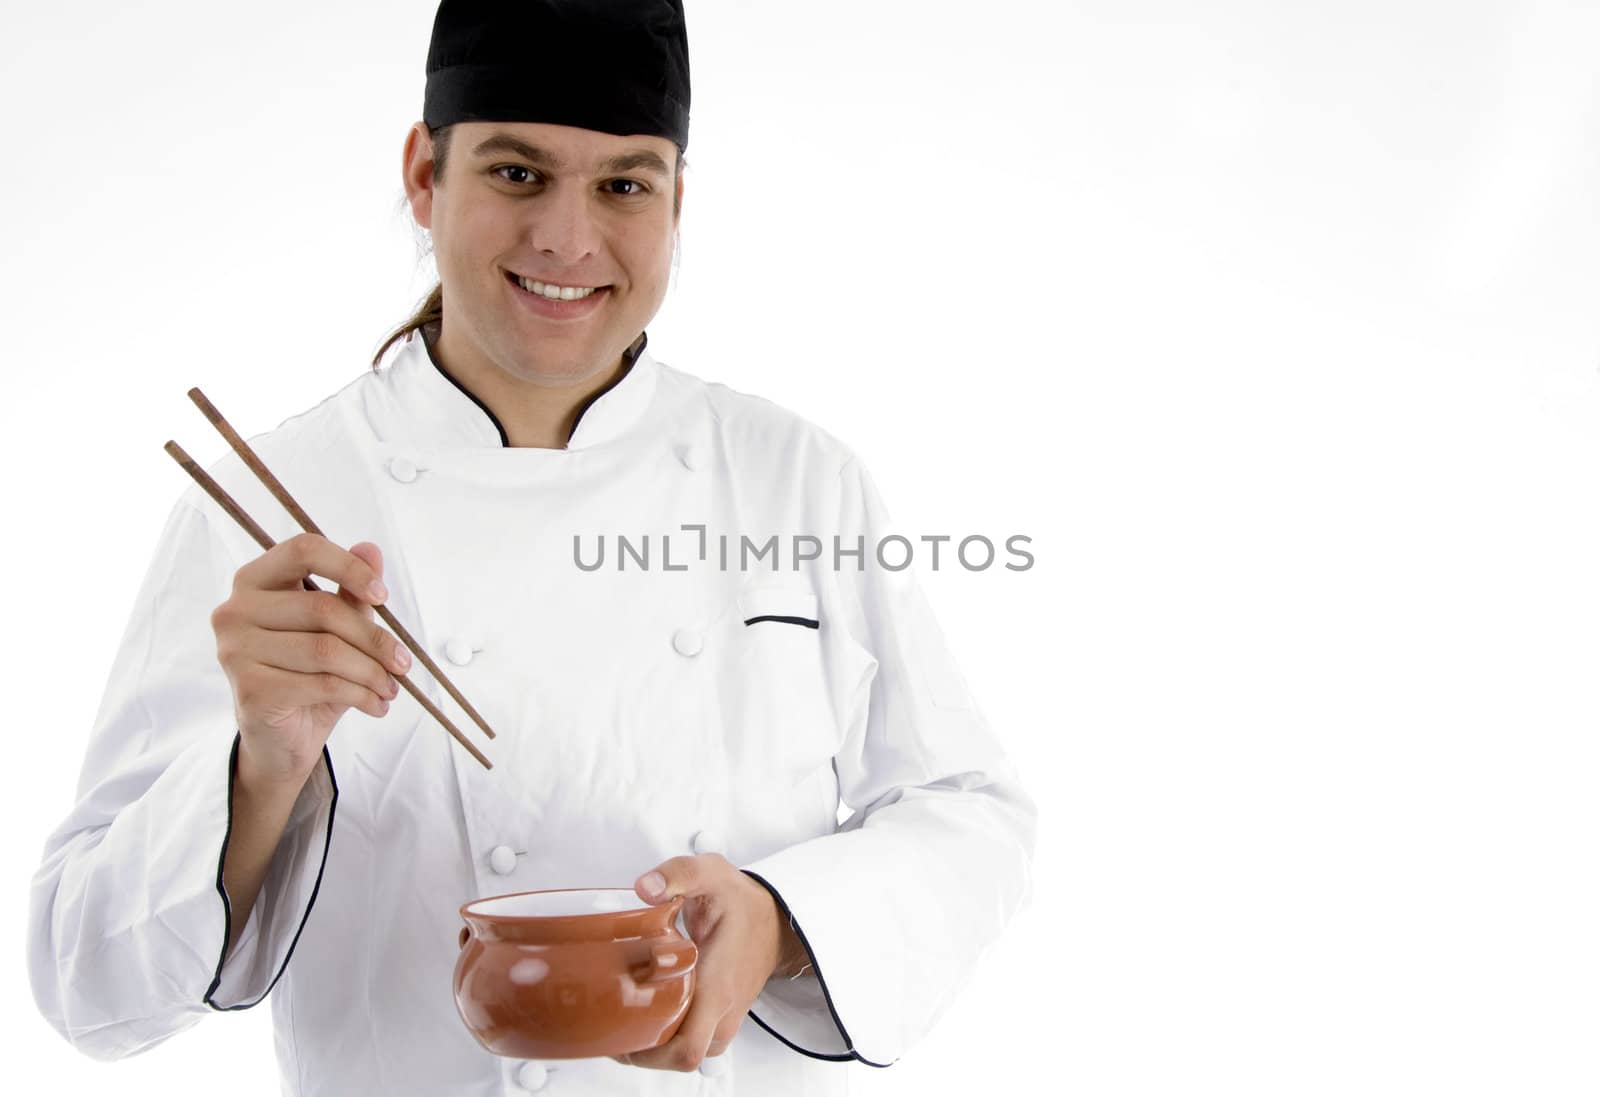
<point x="379" y="592"/>
<point x="402" y="659"/>
<point x="653" y="883"/>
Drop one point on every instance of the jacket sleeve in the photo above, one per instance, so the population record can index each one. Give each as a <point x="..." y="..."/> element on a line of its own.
<point x="898" y="906"/>
<point x="127" y="913"/>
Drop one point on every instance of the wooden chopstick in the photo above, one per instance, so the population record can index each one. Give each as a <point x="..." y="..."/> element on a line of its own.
<point x="262" y="538"/>
<point x="246" y="454"/>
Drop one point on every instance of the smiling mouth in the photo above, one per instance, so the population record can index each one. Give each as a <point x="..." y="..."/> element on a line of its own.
<point x="552" y="292"/>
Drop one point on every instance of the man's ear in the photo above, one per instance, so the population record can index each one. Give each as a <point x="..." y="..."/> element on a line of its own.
<point x="416" y="173"/>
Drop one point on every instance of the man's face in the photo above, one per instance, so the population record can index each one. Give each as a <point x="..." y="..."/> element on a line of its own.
<point x="563" y="206"/>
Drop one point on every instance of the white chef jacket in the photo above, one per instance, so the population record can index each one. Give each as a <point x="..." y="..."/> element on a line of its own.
<point x="638" y="717"/>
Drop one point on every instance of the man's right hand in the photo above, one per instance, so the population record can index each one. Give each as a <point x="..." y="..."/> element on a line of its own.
<point x="298" y="659"/>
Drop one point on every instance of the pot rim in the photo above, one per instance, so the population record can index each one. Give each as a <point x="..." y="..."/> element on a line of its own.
<point x="634" y="913"/>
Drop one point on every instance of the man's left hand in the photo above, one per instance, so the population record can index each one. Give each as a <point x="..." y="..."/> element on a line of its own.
<point x="735" y="925"/>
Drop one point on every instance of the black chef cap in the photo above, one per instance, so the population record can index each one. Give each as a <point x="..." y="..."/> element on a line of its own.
<point x="617" y="66"/>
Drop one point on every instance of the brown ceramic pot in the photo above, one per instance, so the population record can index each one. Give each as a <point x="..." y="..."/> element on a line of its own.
<point x="573" y="974"/>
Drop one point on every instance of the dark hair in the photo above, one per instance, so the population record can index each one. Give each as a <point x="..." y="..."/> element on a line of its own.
<point x="432" y="306"/>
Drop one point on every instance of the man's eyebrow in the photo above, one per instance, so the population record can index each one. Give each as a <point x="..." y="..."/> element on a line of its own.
<point x="640" y="158"/>
<point x="627" y="161"/>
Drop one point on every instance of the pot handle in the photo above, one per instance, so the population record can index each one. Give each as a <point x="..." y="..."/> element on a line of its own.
<point x="466" y="935"/>
<point x="667" y="961"/>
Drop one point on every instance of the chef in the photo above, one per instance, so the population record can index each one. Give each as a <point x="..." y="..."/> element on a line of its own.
<point x="786" y="744"/>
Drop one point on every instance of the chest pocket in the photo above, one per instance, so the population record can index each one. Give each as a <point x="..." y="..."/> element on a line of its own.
<point x="777" y="707"/>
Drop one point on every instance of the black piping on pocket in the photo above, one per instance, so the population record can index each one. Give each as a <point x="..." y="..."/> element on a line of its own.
<point x="780" y="605"/>
<point x="808" y="622"/>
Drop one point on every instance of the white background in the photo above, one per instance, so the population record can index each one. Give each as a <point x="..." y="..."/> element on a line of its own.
<point x="1272" y="324"/>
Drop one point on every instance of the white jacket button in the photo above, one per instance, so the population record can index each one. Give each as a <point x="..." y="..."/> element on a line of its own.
<point x="402" y="470"/>
<point x="503" y="860"/>
<point x="458" y="651"/>
<point x="532" y="1076"/>
<point x="714" y="1066"/>
<point x="686" y="641"/>
<point x="687" y="455"/>
<point x="708" y="841"/>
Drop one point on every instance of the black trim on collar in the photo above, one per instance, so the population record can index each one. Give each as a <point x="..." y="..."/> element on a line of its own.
<point x="428" y="345"/>
<point x="629" y="357"/>
<point x="845" y="1057"/>
<point x="227" y="907"/>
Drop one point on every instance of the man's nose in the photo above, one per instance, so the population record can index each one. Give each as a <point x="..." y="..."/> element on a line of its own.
<point x="564" y="225"/>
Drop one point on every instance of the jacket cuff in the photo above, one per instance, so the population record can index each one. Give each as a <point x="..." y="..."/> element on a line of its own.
<point x="800" y="1012"/>
<point x="288" y="892"/>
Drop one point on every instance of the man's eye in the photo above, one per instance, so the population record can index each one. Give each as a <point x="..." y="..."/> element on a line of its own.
<point x="513" y="167"/>
<point x="638" y="187"/>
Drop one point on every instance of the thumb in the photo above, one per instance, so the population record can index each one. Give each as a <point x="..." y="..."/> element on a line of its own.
<point x="671" y="878"/>
<point x="372" y="556"/>
<point x="370" y="553"/>
<point x="652" y="886"/>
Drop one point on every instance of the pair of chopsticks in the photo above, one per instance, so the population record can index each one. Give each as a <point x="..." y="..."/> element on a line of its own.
<point x="213" y="489"/>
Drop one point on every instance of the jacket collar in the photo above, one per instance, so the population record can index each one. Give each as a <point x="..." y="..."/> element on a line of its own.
<point x="430" y="407"/>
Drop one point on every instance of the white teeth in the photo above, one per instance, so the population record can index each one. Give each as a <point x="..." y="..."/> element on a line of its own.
<point x="555" y="293"/>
